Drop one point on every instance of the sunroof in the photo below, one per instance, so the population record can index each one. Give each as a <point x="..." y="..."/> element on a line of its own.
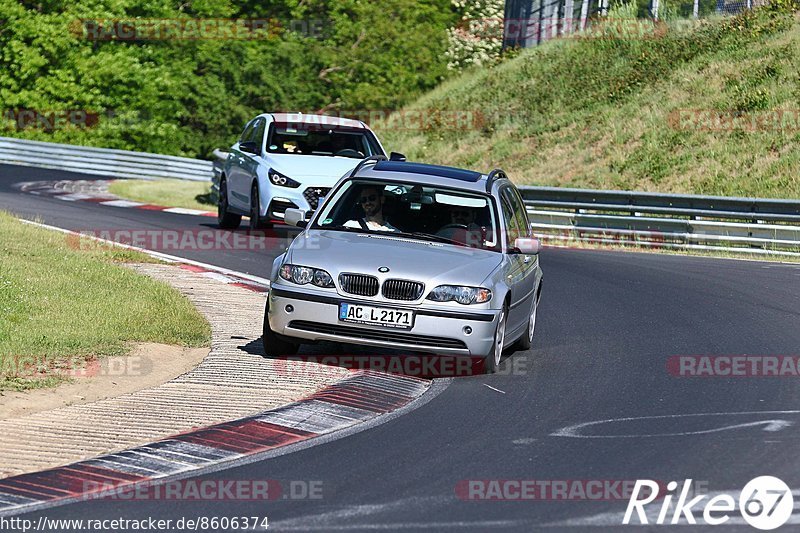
<point x="430" y="170"/>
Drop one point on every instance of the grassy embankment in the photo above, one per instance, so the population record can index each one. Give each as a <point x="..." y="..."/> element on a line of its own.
<point x="63" y="303"/>
<point x="166" y="192"/>
<point x="611" y="113"/>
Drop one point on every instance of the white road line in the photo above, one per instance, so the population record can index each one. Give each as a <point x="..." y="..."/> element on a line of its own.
<point x="316" y="416"/>
<point x="183" y="211"/>
<point x="575" y="430"/>
<point x="121" y="203"/>
<point x="498" y="390"/>
<point x="73" y="197"/>
<point x="219" y="277"/>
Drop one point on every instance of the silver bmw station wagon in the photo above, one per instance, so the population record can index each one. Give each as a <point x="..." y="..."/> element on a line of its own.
<point x="409" y="256"/>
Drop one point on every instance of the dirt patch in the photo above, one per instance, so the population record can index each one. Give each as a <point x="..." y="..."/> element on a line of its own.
<point x="147" y="365"/>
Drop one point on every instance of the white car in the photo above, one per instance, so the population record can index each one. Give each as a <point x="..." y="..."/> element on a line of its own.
<point x="288" y="161"/>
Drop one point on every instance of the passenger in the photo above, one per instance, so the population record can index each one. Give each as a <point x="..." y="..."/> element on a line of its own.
<point x="371" y="200"/>
<point x="463" y="216"/>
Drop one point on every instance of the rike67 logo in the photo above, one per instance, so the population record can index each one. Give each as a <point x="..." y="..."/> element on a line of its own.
<point x="765" y="503"/>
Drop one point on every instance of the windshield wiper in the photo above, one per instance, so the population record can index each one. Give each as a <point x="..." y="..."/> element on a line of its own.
<point x="431" y="236"/>
<point x="341" y="227"/>
<point x="414" y="234"/>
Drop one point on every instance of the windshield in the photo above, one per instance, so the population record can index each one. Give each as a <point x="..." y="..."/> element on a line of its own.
<point x="316" y="139"/>
<point x="423" y="212"/>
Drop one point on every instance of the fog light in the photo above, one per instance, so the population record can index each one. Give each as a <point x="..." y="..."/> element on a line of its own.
<point x="289" y="308"/>
<point x="467" y="330"/>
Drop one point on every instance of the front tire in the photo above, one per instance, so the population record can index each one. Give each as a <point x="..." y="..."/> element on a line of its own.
<point x="492" y="361"/>
<point x="226" y="219"/>
<point x="526" y="341"/>
<point x="275" y="346"/>
<point x="256" y="221"/>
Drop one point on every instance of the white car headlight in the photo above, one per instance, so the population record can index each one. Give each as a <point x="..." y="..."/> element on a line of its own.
<point x="302" y="275"/>
<point x="460" y="294"/>
<point x="283" y="181"/>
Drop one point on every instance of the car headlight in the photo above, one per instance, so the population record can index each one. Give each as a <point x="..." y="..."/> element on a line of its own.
<point x="462" y="295"/>
<point x="282" y="181"/>
<point x="302" y="275"/>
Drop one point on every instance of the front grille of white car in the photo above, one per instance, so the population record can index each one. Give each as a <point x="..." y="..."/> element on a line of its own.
<point x="359" y="284"/>
<point x="313" y="194"/>
<point x="400" y="289"/>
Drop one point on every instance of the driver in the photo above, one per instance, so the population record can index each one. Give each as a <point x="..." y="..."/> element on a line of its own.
<point x="371" y="201"/>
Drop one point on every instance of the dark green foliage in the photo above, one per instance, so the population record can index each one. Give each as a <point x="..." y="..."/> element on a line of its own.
<point x="188" y="97"/>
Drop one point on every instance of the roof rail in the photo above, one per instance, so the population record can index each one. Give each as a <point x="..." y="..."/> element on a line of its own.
<point x="494" y="175"/>
<point x="366" y="161"/>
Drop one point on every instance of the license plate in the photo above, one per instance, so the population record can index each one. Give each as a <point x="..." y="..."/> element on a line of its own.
<point x="377" y="316"/>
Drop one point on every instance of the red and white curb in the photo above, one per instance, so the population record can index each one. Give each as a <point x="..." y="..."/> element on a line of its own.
<point x="362" y="396"/>
<point x="96" y="192"/>
<point x="229" y="278"/>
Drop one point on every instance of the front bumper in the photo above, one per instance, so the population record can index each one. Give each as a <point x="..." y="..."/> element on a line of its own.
<point x="315" y="317"/>
<point x="275" y="200"/>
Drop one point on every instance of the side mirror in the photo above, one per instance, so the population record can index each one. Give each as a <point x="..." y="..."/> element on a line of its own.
<point x="527" y="246"/>
<point x="250" y="147"/>
<point x="295" y="217"/>
<point x="397" y="156"/>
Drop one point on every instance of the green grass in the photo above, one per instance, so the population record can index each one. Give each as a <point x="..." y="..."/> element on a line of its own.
<point x="604" y="113"/>
<point x="60" y="302"/>
<point x="167" y="192"/>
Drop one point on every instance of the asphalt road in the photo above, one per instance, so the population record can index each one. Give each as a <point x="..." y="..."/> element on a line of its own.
<point x="608" y="324"/>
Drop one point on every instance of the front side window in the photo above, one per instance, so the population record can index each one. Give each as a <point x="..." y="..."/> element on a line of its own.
<point x="520" y="213"/>
<point x="515" y="215"/>
<point x="511" y="228"/>
<point x="248" y="131"/>
<point x="258" y="132"/>
<point x="412" y="210"/>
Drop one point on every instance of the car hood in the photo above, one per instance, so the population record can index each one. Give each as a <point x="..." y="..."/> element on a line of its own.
<point x="428" y="262"/>
<point x="312" y="169"/>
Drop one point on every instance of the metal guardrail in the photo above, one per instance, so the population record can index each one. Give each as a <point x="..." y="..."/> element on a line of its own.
<point x="653" y="220"/>
<point x="102" y="161"/>
<point x="657" y="220"/>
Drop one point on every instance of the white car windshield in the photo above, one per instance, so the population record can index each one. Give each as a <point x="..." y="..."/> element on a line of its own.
<point x="419" y="211"/>
<point x="315" y="139"/>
